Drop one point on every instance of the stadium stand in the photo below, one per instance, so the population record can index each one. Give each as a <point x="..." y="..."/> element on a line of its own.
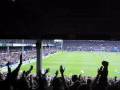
<point x="91" y="45"/>
<point x="29" y="52"/>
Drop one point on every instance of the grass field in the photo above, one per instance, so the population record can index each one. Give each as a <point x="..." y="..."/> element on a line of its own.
<point x="85" y="63"/>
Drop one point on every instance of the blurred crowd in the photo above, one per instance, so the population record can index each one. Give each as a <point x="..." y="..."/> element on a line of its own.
<point x="13" y="57"/>
<point x="28" y="54"/>
<point x="13" y="80"/>
<point x="91" y="45"/>
<point x="48" y="51"/>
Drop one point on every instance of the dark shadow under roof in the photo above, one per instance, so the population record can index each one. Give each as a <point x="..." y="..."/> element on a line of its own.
<point x="36" y="19"/>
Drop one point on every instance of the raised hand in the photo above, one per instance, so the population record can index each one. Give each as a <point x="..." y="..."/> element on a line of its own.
<point x="47" y="70"/>
<point x="115" y="78"/>
<point x="31" y="67"/>
<point x="56" y="73"/>
<point x="80" y="76"/>
<point x="8" y="64"/>
<point x="100" y="70"/>
<point x="29" y="71"/>
<point x="9" y="69"/>
<point x="61" y="69"/>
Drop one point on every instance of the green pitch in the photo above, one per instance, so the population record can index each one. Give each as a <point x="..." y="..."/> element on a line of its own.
<point x="85" y="63"/>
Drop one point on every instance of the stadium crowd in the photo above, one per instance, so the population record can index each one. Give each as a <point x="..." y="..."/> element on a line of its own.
<point x="13" y="80"/>
<point x="16" y="80"/>
<point x="91" y="45"/>
<point x="13" y="55"/>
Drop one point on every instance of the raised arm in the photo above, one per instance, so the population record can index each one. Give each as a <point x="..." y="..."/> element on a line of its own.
<point x="8" y="66"/>
<point x="97" y="76"/>
<point x="9" y="70"/>
<point x="16" y="71"/>
<point x="29" y="71"/>
<point x="46" y="71"/>
<point x="63" y="78"/>
<point x="56" y="73"/>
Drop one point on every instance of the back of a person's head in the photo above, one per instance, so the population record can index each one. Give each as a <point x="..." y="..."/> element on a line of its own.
<point x="75" y="85"/>
<point x="74" y="78"/>
<point x="58" y="84"/>
<point x="45" y="82"/>
<point x="89" y="81"/>
<point x="105" y="63"/>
